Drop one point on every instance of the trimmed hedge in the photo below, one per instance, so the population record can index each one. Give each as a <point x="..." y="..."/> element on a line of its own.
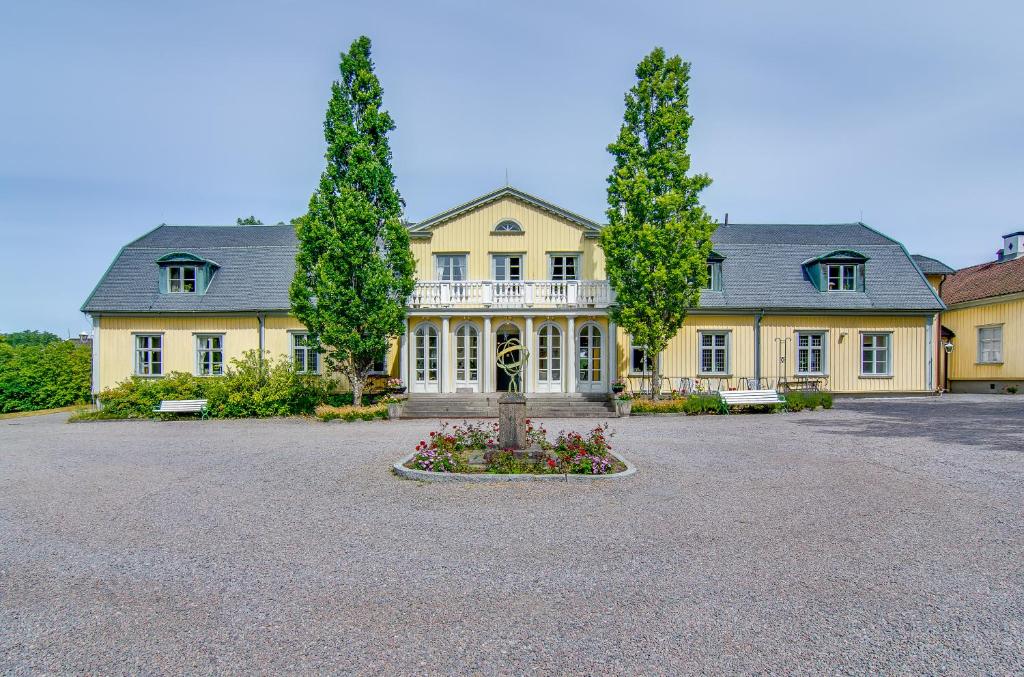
<point x="44" y="375"/>
<point x="247" y="389"/>
<point x="691" y="405"/>
<point x="798" y="401"/>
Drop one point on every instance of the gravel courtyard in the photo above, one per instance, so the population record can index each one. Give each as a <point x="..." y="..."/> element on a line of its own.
<point x="883" y="536"/>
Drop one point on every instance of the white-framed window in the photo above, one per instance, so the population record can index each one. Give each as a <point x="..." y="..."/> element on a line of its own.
<point x="181" y="279"/>
<point x="841" y="276"/>
<point x="565" y="267"/>
<point x="714" y="282"/>
<point x="508" y="226"/>
<point x="876" y="354"/>
<point x="810" y="352"/>
<point x="467" y="354"/>
<point x="149" y="354"/>
<point x="990" y="344"/>
<point x="305" y="358"/>
<point x="714" y="352"/>
<point x="209" y="354"/>
<point x="451" y="267"/>
<point x="507" y="267"/>
<point x="380" y="365"/>
<point x="640" y="362"/>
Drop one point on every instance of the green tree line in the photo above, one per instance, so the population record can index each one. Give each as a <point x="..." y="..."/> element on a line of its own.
<point x="37" y="372"/>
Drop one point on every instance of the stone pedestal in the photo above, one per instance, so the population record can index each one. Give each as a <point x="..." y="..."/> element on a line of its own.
<point x="512" y="421"/>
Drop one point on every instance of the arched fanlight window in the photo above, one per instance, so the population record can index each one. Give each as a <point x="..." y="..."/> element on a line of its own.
<point x="508" y="226"/>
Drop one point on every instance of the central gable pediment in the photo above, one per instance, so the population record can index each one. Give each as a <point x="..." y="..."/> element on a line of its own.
<point x="507" y="204"/>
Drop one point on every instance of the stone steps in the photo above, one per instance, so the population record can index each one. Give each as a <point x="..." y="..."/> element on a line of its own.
<point x="480" y="405"/>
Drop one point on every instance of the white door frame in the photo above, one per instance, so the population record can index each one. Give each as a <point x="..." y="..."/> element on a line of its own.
<point x="421" y="341"/>
<point x="601" y="384"/>
<point x="472" y="331"/>
<point x="553" y="334"/>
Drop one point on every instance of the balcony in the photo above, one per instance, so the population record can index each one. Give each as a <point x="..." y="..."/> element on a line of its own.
<point x="502" y="294"/>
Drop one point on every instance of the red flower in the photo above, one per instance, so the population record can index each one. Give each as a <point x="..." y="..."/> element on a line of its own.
<point x="551" y="462"/>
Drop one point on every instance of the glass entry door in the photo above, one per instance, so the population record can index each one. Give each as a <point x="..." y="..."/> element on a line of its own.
<point x="549" y="359"/>
<point x="590" y="360"/>
<point x="426" y="373"/>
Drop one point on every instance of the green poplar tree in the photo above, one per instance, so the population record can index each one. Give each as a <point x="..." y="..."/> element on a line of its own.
<point x="354" y="268"/>
<point x="659" y="236"/>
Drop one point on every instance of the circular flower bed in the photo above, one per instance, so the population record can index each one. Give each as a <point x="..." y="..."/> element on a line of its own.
<point x="472" y="448"/>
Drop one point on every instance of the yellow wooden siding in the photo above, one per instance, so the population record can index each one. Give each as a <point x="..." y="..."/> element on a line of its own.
<point x="843" y="352"/>
<point x="277" y="340"/>
<point x="965" y="321"/>
<point x="117" y="346"/>
<point x="543" y="233"/>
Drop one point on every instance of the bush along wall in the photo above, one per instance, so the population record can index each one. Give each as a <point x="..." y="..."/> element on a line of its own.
<point x="249" y="388"/>
<point x="44" y="376"/>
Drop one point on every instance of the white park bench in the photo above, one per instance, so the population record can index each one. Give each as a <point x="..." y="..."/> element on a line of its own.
<point x="181" y="407"/>
<point x="746" y="398"/>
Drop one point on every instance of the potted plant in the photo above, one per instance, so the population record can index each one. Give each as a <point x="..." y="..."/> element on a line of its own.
<point x="394" y="407"/>
<point x="623" y="404"/>
<point x="618" y="385"/>
<point x="395" y="386"/>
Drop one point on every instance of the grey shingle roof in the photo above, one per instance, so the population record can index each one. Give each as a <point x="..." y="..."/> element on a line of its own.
<point x="256" y="267"/>
<point x="762" y="269"/>
<point x="930" y="266"/>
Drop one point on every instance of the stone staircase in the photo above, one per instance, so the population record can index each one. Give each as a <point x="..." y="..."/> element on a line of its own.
<point x="485" y="405"/>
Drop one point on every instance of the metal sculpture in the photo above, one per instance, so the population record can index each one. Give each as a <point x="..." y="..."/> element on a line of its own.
<point x="511" y="359"/>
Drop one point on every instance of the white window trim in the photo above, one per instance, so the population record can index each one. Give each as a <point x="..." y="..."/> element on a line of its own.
<point x="728" y="352"/>
<point x="889" y="354"/>
<point x="465" y="265"/>
<point x="629" y="358"/>
<point x="196" y="338"/>
<point x="715" y="278"/>
<point x="182" y="267"/>
<point x="824" y="352"/>
<point x="856" y="274"/>
<point x="292" y="333"/>
<point x="522" y="265"/>
<point x="135" y="353"/>
<point x="551" y="265"/>
<point x="980" y="352"/>
<point x="479" y="352"/>
<point x="387" y="362"/>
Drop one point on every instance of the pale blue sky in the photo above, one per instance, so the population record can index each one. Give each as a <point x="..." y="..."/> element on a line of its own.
<point x="118" y="116"/>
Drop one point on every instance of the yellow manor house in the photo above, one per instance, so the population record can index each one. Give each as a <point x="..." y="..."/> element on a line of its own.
<point x="839" y="307"/>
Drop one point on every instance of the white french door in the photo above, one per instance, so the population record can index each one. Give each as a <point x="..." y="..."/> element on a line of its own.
<point x="549" y="359"/>
<point x="467" y="358"/>
<point x="426" y="372"/>
<point x="590" y="360"/>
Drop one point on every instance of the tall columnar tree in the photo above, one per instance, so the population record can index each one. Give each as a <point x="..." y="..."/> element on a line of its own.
<point x="354" y="268"/>
<point x="659" y="236"/>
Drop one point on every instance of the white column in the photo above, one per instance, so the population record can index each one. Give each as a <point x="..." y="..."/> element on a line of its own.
<point x="528" y="342"/>
<point x="486" y="358"/>
<point x="612" y="356"/>
<point x="446" y="371"/>
<point x="403" y="356"/>
<point x="569" y="349"/>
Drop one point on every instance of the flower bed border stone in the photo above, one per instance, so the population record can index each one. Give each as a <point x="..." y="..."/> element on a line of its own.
<point x="484" y="477"/>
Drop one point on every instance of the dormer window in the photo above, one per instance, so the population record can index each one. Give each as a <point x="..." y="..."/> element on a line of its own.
<point x="181" y="279"/>
<point x="839" y="271"/>
<point x="841" y="276"/>
<point x="508" y="226"/>
<point x="714" y="281"/>
<point x="185" y="273"/>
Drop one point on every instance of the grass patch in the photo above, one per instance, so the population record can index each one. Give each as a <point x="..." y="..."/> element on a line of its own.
<point x="798" y="401"/>
<point x="39" y="412"/>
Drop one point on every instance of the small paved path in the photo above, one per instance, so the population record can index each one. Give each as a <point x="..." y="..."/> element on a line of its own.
<point x="884" y="536"/>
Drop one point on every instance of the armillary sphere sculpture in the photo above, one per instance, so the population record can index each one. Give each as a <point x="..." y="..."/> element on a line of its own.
<point x="511" y="359"/>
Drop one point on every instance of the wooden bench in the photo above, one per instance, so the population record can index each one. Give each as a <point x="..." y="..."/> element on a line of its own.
<point x="746" y="398"/>
<point x="181" y="407"/>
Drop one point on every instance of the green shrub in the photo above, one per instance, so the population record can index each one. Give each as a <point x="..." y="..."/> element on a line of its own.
<point x="705" y="404"/>
<point x="326" y="412"/>
<point x="709" y="403"/>
<point x="798" y="401"/>
<point x="247" y="389"/>
<point x="44" y="375"/>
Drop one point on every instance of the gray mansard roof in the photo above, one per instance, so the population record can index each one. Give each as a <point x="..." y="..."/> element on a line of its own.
<point x="762" y="269"/>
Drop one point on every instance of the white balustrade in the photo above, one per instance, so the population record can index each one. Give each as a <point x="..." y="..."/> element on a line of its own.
<point x="512" y="294"/>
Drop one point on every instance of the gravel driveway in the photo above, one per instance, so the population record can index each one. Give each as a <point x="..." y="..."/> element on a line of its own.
<point x="883" y="536"/>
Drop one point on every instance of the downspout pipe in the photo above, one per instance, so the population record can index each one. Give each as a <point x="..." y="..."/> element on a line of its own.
<point x="757" y="346"/>
<point x="262" y="319"/>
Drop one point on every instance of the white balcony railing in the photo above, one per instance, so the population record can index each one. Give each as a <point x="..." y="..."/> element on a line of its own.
<point x="501" y="294"/>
